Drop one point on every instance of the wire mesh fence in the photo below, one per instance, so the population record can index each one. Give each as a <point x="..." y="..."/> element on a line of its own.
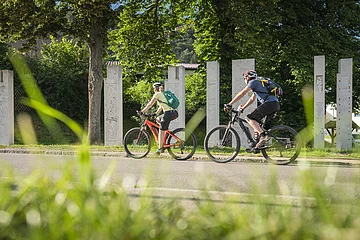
<point x="19" y="107"/>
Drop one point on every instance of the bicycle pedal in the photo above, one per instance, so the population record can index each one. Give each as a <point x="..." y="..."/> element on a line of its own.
<point x="249" y="150"/>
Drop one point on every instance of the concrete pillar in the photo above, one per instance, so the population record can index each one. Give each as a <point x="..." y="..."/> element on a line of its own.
<point x="238" y="83"/>
<point x="176" y="84"/>
<point x="6" y="107"/>
<point x="344" y="105"/>
<point x="319" y="101"/>
<point x="113" y="105"/>
<point x="212" y="95"/>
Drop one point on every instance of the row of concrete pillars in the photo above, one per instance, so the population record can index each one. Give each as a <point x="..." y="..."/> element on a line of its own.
<point x="113" y="99"/>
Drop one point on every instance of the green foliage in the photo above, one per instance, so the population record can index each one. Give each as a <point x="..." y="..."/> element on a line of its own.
<point x="182" y="45"/>
<point x="4" y="60"/>
<point x="195" y="88"/>
<point x="283" y="36"/>
<point x="141" y="42"/>
<point x="88" y="21"/>
<point x="146" y="36"/>
<point x="62" y="76"/>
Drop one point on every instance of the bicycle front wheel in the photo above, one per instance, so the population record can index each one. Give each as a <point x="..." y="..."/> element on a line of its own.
<point x="137" y="143"/>
<point x="283" y="147"/>
<point x="222" y="144"/>
<point x="183" y="146"/>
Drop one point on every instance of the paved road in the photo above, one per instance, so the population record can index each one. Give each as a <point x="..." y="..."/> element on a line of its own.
<point x="186" y="177"/>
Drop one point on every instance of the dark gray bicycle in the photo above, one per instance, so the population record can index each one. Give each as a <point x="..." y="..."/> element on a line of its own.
<point x="222" y="143"/>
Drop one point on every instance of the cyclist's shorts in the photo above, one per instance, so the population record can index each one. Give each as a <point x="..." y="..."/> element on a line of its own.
<point x="263" y="110"/>
<point x="166" y="118"/>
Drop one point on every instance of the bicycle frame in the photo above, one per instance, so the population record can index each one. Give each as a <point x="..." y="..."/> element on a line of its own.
<point x="245" y="129"/>
<point x="154" y="129"/>
<point x="241" y="122"/>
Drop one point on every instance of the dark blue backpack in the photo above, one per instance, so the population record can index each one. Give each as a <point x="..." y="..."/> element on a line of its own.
<point x="272" y="87"/>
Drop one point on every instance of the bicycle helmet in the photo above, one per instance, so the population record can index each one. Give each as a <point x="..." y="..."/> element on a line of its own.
<point x="157" y="85"/>
<point x="250" y="74"/>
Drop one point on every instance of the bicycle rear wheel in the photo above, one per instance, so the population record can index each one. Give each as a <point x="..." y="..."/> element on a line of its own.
<point x="283" y="146"/>
<point x="137" y="143"/>
<point x="222" y="144"/>
<point x="185" y="148"/>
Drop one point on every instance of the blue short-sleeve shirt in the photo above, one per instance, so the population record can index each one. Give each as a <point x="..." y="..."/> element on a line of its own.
<point x="261" y="92"/>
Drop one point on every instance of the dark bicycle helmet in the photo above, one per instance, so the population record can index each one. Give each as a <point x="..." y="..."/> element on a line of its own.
<point x="250" y="74"/>
<point x="157" y="85"/>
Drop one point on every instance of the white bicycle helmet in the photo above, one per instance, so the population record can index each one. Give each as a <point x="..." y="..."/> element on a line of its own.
<point x="250" y="74"/>
<point x="157" y="85"/>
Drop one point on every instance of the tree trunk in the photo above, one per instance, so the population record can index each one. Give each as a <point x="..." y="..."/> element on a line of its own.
<point x="95" y="84"/>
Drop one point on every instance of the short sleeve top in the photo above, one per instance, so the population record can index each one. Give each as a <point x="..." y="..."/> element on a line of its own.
<point x="261" y="92"/>
<point x="162" y="101"/>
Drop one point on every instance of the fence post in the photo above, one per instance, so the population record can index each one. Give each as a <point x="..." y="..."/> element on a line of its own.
<point x="212" y="95"/>
<point x="319" y="101"/>
<point x="344" y="105"/>
<point x="6" y="107"/>
<point x="176" y="84"/>
<point x="238" y="83"/>
<point x="113" y="105"/>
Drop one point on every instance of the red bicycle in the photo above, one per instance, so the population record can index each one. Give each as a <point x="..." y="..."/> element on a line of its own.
<point x="180" y="143"/>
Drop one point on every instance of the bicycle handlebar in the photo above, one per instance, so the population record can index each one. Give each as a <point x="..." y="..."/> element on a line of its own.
<point x="230" y="108"/>
<point x="234" y="110"/>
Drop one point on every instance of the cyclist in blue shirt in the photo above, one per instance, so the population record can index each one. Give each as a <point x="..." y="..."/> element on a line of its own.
<point x="269" y="104"/>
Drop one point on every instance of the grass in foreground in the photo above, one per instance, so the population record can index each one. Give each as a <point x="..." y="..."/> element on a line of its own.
<point x="42" y="208"/>
<point x="82" y="206"/>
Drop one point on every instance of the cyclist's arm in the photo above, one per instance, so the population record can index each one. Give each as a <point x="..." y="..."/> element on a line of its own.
<point x="239" y="95"/>
<point x="158" y="111"/>
<point x="250" y="101"/>
<point x="149" y="105"/>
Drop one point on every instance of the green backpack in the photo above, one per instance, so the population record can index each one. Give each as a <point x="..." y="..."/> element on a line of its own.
<point x="172" y="100"/>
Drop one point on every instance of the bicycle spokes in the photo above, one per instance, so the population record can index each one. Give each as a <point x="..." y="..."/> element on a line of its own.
<point x="182" y="144"/>
<point x="283" y="147"/>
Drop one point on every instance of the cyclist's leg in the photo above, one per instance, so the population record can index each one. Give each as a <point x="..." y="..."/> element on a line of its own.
<point x="164" y="125"/>
<point x="255" y="118"/>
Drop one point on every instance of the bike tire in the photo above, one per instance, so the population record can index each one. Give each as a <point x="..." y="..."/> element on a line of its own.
<point x="219" y="149"/>
<point x="283" y="147"/>
<point x="186" y="149"/>
<point x="137" y="143"/>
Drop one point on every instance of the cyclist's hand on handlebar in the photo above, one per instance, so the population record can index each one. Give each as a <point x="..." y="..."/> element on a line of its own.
<point x="227" y="107"/>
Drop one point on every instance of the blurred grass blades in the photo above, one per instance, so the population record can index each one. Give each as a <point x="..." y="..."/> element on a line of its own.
<point x="49" y="116"/>
<point x="33" y="91"/>
<point x="26" y="129"/>
<point x="195" y="120"/>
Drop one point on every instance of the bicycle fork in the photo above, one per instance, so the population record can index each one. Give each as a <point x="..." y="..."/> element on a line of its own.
<point x="226" y="133"/>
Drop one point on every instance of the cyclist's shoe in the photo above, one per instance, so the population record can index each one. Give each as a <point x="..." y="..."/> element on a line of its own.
<point x="159" y="150"/>
<point x="252" y="150"/>
<point x="262" y="140"/>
